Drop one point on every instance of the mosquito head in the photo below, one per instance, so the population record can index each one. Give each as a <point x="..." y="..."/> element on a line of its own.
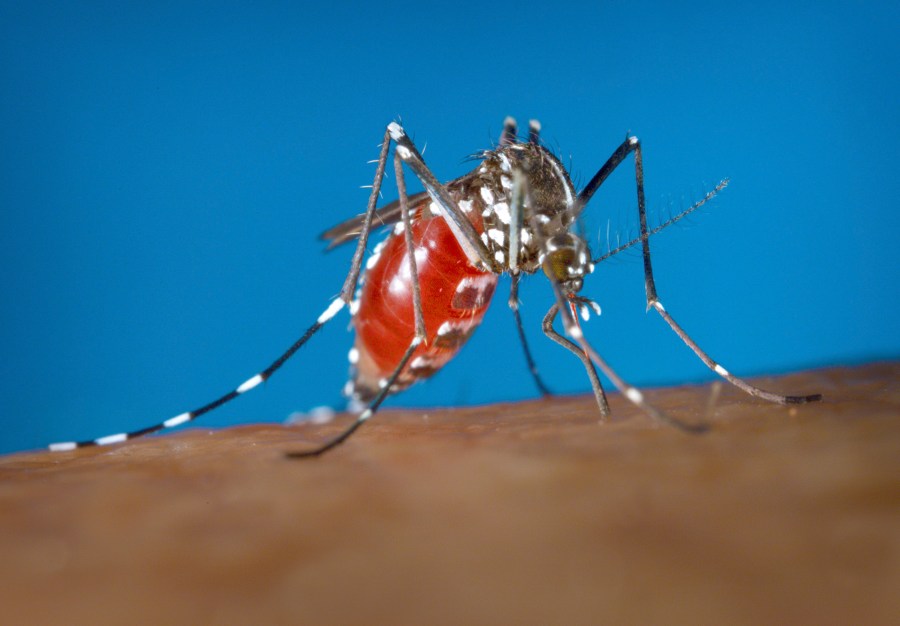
<point x="567" y="260"/>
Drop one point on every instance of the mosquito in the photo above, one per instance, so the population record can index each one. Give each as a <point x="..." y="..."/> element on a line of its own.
<point x="424" y="290"/>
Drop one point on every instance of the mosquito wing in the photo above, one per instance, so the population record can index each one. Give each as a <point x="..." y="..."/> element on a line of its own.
<point x="387" y="215"/>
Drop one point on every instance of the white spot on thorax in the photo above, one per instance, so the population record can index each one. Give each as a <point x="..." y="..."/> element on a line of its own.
<point x="501" y="210"/>
<point x="562" y="179"/>
<point x="487" y="195"/>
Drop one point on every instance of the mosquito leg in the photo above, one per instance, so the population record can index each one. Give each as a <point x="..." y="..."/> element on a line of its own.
<point x="653" y="301"/>
<point x="418" y="339"/>
<point x="532" y="367"/>
<point x="349" y="287"/>
<point x="467" y="237"/>
<point x="365" y="415"/>
<point x="582" y="356"/>
<point x="631" y="144"/>
<point x="254" y="381"/>
<point x="570" y="323"/>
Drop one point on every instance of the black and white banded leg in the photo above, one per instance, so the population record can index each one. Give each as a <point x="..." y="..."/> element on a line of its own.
<point x="254" y="381"/>
<point x="405" y="152"/>
<point x="631" y="144"/>
<point x="418" y="338"/>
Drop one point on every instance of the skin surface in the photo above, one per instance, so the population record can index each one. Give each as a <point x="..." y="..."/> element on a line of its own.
<point x="528" y="513"/>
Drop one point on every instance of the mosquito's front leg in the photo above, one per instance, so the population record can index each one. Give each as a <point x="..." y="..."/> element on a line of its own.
<point x="462" y="228"/>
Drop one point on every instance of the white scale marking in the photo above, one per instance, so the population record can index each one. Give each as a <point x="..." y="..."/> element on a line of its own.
<point x="466" y="205"/>
<point x="353" y="356"/>
<point x="497" y="235"/>
<point x="396" y="131"/>
<point x="331" y="311"/>
<point x="420" y="362"/>
<point x="499" y="256"/>
<point x="501" y="210"/>
<point x="63" y="447"/>
<point x="109" y="439"/>
<point x="525" y="236"/>
<point x="634" y="395"/>
<point x="404" y="152"/>
<point x="177" y="420"/>
<point x="250" y="383"/>
<point x="562" y="179"/>
<point x="480" y="283"/>
<point x="721" y="371"/>
<point x="487" y="195"/>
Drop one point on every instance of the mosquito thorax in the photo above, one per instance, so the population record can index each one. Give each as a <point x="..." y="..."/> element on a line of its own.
<point x="547" y="207"/>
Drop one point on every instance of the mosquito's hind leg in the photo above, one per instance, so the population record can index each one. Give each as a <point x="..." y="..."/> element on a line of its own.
<point x="418" y="338"/>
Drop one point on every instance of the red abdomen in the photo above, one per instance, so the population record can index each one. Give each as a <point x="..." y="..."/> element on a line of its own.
<point x="455" y="297"/>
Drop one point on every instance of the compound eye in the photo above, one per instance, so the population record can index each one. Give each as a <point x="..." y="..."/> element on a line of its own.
<point x="560" y="264"/>
<point x="567" y="261"/>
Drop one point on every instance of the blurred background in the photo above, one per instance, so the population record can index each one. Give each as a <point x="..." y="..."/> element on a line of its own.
<point x="165" y="172"/>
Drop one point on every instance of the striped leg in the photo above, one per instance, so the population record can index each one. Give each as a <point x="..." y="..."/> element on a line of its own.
<point x="573" y="329"/>
<point x="631" y="144"/>
<point x="416" y="341"/>
<point x="332" y="310"/>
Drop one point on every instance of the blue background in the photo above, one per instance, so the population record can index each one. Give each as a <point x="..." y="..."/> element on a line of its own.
<point x="165" y="171"/>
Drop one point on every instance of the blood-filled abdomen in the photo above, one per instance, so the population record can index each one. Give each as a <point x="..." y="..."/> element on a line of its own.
<point x="455" y="297"/>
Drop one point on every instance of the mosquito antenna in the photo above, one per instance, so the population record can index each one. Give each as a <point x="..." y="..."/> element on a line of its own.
<point x="709" y="196"/>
